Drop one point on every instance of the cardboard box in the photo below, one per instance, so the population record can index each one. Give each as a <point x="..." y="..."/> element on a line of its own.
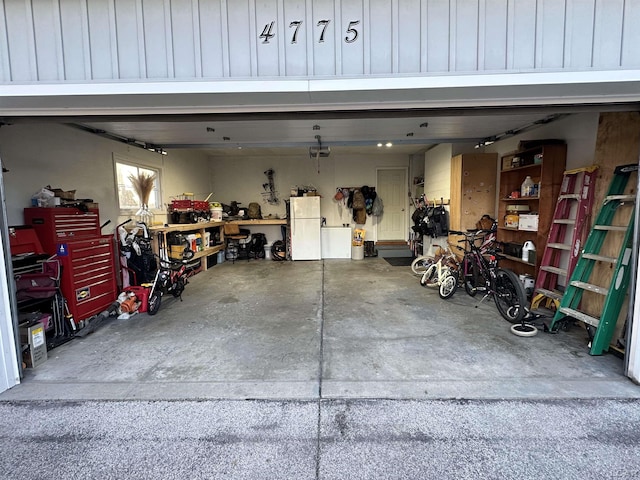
<point x="528" y="223"/>
<point x="64" y="195"/>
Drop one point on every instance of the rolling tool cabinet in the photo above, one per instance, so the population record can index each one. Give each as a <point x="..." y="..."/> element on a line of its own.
<point x="88" y="278"/>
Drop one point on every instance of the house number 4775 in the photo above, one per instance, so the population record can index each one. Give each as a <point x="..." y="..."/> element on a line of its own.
<point x="268" y="31"/>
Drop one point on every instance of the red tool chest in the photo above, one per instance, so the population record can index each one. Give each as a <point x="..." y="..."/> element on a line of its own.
<point x="88" y="278"/>
<point x="60" y="224"/>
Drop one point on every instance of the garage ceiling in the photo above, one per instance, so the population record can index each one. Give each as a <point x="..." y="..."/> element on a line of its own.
<point x="410" y="132"/>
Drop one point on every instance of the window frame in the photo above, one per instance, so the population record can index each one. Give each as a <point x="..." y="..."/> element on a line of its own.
<point x="133" y="162"/>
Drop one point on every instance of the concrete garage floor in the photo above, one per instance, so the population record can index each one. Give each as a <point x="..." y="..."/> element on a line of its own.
<point x="329" y="329"/>
<point x="321" y="370"/>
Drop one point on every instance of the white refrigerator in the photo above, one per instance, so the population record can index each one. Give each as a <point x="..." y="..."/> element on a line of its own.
<point x="305" y="228"/>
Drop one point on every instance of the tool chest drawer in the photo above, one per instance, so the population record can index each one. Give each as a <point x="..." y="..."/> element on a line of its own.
<point x="55" y="225"/>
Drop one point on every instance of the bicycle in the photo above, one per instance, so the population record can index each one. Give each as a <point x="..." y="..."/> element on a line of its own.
<point x="440" y="270"/>
<point x="480" y="272"/>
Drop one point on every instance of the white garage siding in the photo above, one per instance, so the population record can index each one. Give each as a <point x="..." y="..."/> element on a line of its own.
<point x="126" y="40"/>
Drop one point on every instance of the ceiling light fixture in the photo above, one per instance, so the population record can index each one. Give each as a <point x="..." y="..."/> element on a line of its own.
<point x="379" y="144"/>
<point x="410" y="134"/>
<point x="319" y="151"/>
<point x="388" y="144"/>
<point x="211" y="129"/>
<point x="316" y="127"/>
<point x="424" y="125"/>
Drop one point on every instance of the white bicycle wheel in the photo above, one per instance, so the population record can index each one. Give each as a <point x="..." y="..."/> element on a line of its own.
<point x="448" y="286"/>
<point x="420" y="264"/>
<point x="524" y="330"/>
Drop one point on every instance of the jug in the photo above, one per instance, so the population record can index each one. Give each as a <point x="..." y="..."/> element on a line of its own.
<point x="526" y="189"/>
<point x="526" y="248"/>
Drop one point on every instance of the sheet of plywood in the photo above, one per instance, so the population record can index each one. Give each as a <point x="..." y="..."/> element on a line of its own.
<point x="617" y="143"/>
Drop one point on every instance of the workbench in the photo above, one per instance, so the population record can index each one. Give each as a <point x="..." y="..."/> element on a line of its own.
<point x="187" y="228"/>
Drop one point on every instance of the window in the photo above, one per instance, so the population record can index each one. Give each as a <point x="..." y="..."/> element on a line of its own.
<point x="127" y="196"/>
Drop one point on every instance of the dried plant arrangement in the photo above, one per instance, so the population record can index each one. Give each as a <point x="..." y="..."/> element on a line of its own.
<point x="143" y="185"/>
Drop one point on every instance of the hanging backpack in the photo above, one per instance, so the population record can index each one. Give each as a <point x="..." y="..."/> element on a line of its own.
<point x="377" y="207"/>
<point x="254" y="211"/>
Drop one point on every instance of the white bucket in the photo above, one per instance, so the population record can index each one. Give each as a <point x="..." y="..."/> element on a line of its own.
<point x="267" y="252"/>
<point x="216" y="213"/>
<point x="357" y="252"/>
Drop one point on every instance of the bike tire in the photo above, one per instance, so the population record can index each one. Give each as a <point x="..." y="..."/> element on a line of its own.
<point x="420" y="264"/>
<point x="153" y="304"/>
<point x="524" y="330"/>
<point x="471" y="279"/>
<point x="430" y="276"/>
<point x="179" y="288"/>
<point x="448" y="286"/>
<point x="510" y="296"/>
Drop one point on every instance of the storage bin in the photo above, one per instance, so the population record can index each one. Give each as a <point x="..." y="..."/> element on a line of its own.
<point x="528" y="223"/>
<point x="512" y="249"/>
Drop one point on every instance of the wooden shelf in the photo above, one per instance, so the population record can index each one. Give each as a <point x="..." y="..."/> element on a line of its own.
<point x="516" y="259"/>
<point x="548" y="174"/>
<point x="519" y="199"/>
<point x="186" y="227"/>
<point x="264" y="221"/>
<point x="531" y="166"/>
<point x="200" y="227"/>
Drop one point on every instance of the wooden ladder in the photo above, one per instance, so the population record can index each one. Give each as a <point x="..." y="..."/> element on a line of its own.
<point x="573" y="208"/>
<point x="581" y="278"/>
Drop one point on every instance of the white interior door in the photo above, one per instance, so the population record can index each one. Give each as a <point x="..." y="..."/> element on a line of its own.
<point x="391" y="186"/>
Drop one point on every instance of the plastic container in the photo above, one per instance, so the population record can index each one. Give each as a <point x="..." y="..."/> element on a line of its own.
<point x="207" y="239"/>
<point x="357" y="252"/>
<point x="526" y="189"/>
<point x="526" y="248"/>
<point x="191" y="238"/>
<point x="216" y="211"/>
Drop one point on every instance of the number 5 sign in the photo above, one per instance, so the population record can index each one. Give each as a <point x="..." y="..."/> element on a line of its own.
<point x="268" y="31"/>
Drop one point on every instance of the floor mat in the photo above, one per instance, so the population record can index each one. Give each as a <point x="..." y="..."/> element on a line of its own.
<point x="399" y="261"/>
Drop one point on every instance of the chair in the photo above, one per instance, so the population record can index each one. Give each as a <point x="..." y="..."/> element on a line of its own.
<point x="39" y="288"/>
<point x="235" y="241"/>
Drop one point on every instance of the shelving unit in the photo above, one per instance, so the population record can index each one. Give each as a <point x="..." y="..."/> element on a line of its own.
<point x="188" y="228"/>
<point x="545" y="164"/>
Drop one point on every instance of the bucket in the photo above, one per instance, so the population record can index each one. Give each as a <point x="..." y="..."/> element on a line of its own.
<point x="267" y="252"/>
<point x="216" y="213"/>
<point x="528" y="283"/>
<point x="357" y="252"/>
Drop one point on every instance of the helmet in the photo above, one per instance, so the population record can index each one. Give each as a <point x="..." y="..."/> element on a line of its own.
<point x="278" y="250"/>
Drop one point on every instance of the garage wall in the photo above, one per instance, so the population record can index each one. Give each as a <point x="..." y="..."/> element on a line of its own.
<point x="579" y="131"/>
<point x="74" y="41"/>
<point x="241" y="179"/>
<point x="63" y="157"/>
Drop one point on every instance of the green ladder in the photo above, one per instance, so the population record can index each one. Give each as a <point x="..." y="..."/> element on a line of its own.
<point x="580" y="279"/>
